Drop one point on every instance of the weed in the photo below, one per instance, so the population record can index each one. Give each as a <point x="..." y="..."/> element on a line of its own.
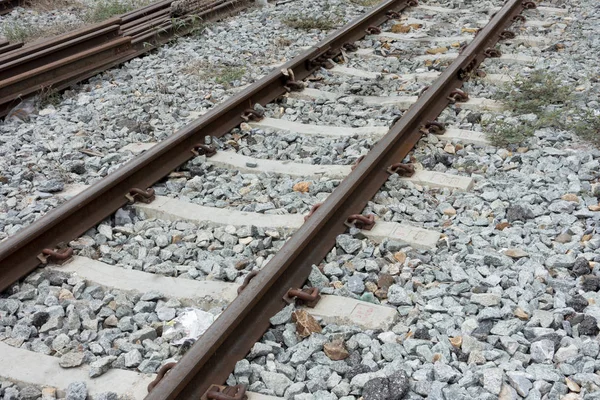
<point x="49" y="96"/>
<point x="105" y="9"/>
<point x="365" y="3"/>
<point x="50" y="5"/>
<point x="552" y="102"/>
<point x="223" y="75"/>
<point x="307" y="23"/>
<point x="282" y="42"/>
<point x="19" y="32"/>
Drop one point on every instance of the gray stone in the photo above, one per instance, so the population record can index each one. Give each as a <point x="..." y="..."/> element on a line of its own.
<point x="101" y="365"/>
<point x="398" y="296"/>
<point x="444" y="373"/>
<point x="565" y="353"/>
<point x="348" y="243"/>
<point x="560" y="261"/>
<point x="356" y="284"/>
<point x="284" y="316"/>
<point x="51" y="186"/>
<point x="71" y="359"/>
<point x="30" y="393"/>
<point x="278" y="383"/>
<point x="133" y="358"/>
<point x="77" y="391"/>
<point x="486" y="299"/>
<point x="520" y="382"/>
<point x="107" y="396"/>
<point x="143" y="334"/>
<point x="542" y="351"/>
<point x="492" y="380"/>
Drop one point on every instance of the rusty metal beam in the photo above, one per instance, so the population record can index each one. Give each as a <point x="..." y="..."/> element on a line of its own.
<point x="232" y="335"/>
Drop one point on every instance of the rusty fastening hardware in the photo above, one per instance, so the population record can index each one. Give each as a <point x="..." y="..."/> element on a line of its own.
<point x="481" y="73"/>
<point x="309" y="296"/>
<point x="291" y="84"/>
<point x="358" y="160"/>
<point x="434" y="127"/>
<point x="412" y="3"/>
<point x="373" y="30"/>
<point x="529" y="5"/>
<point x="161" y="374"/>
<point x="312" y="211"/>
<point x="57" y="256"/>
<point x="458" y="95"/>
<point x="506" y="35"/>
<point x="137" y="194"/>
<point x="519" y="18"/>
<point x="404" y="170"/>
<point x="201" y="149"/>
<point x="365" y="222"/>
<point x="237" y="392"/>
<point x="422" y="91"/>
<point x="465" y="72"/>
<point x="350" y="47"/>
<point x="252" y="115"/>
<point x="492" y="53"/>
<point x="391" y="14"/>
<point x="247" y="280"/>
<point x="322" y="60"/>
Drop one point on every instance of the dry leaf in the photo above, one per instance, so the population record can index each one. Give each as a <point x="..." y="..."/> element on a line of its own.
<point x="400" y="28"/>
<point x="301" y="187"/>
<point x="437" y="50"/>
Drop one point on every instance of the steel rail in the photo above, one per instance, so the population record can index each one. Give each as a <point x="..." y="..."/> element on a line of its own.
<point x="231" y="336"/>
<point x="19" y="253"/>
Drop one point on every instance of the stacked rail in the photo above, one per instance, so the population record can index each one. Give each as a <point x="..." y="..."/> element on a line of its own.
<point x="61" y="61"/>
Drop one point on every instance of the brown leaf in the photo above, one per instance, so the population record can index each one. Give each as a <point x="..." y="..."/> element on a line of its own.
<point x="400" y="28"/>
<point x="306" y="324"/>
<point x="437" y="50"/>
<point x="502" y="225"/>
<point x="456" y="341"/>
<point x="301" y="187"/>
<point x="519" y="313"/>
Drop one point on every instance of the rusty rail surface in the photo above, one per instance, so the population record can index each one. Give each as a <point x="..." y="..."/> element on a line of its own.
<point x="59" y="62"/>
<point x="7" y="6"/>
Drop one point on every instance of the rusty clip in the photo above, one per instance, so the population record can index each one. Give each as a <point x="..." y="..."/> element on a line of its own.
<point x="161" y="374"/>
<point x="492" y="53"/>
<point x="529" y="5"/>
<point x="216" y="392"/>
<point x="308" y="296"/>
<point x="412" y="3"/>
<point x="434" y="127"/>
<point x="480" y="73"/>
<point x="391" y="14"/>
<point x="506" y="35"/>
<point x="519" y="18"/>
<point x="312" y="211"/>
<point x="137" y="194"/>
<point x="358" y="160"/>
<point x="291" y="85"/>
<point x="252" y="115"/>
<point x="201" y="149"/>
<point x="322" y="60"/>
<point x="458" y="95"/>
<point x="350" y="47"/>
<point x="364" y="222"/>
<point x="373" y="30"/>
<point x="404" y="170"/>
<point x="247" y="280"/>
<point x="58" y="256"/>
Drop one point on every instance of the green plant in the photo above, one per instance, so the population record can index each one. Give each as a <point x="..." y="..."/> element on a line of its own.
<point x="365" y="3"/>
<point x="19" y="32"/>
<point x="105" y="9"/>
<point x="224" y="74"/>
<point x="552" y="102"/>
<point x="49" y="96"/>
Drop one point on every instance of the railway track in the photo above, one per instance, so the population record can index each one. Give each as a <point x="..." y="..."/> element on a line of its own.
<point x="262" y="267"/>
<point x="62" y="61"/>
